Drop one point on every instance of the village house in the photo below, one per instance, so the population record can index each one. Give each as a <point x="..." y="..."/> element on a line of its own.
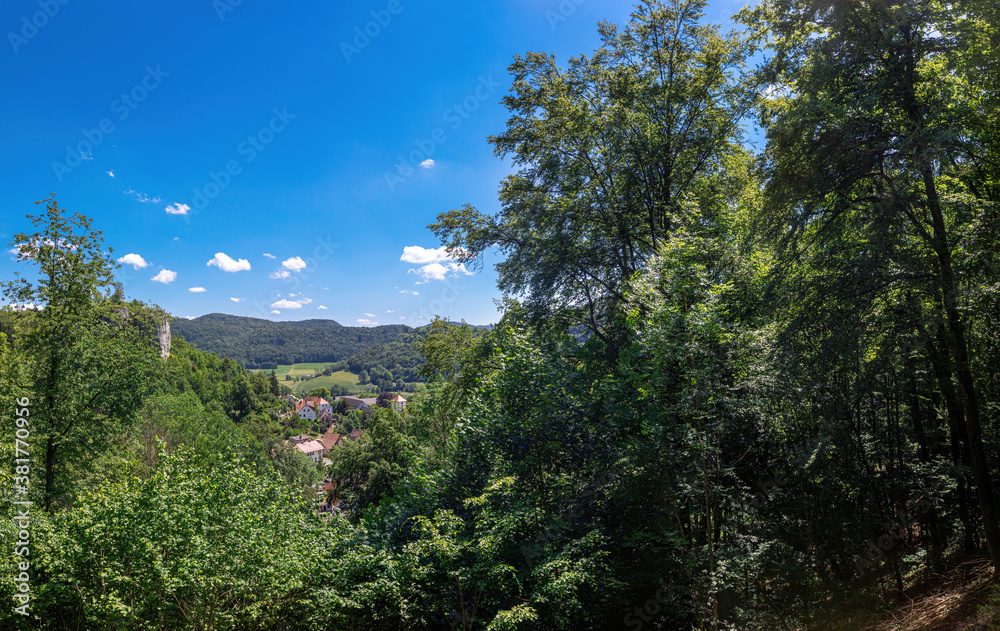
<point x="319" y="404"/>
<point x="331" y="440"/>
<point x="313" y="448"/>
<point x="398" y="403"/>
<point x="305" y="411"/>
<point x="365" y="405"/>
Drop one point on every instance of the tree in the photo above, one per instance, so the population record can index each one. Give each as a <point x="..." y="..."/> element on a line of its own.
<point x="883" y="115"/>
<point x="191" y="547"/>
<point x="320" y="392"/>
<point x="608" y="149"/>
<point x="91" y="359"/>
<point x="363" y="377"/>
<point x="275" y="386"/>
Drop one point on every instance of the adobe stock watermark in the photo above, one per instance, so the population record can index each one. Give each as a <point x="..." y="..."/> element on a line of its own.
<point x="31" y="26"/>
<point x="222" y="7"/>
<point x="123" y="106"/>
<point x="920" y="505"/>
<point x="566" y="8"/>
<point x="248" y="150"/>
<point x="363" y="35"/>
<point x="22" y="511"/>
<point x="448" y="295"/>
<point x="665" y="596"/>
<point x="455" y="116"/>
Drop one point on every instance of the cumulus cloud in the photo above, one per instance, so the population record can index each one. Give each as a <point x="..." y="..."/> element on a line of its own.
<point x="370" y="315"/>
<point x="291" y="304"/>
<point x="438" y="271"/>
<point x="389" y="311"/>
<point x="165" y="276"/>
<point x="269" y="255"/>
<point x="427" y="164"/>
<point x="178" y="209"/>
<point x="419" y="255"/>
<point x="295" y="264"/>
<point x="366" y="322"/>
<point x="197" y="290"/>
<point x="228" y="264"/>
<point x="323" y="307"/>
<point x="236" y="299"/>
<point x="409" y="292"/>
<point x="281" y="273"/>
<point x="136" y="261"/>
<point x="276" y="312"/>
<point x="111" y="173"/>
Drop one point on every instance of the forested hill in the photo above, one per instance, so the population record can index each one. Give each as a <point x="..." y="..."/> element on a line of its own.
<point x="259" y="343"/>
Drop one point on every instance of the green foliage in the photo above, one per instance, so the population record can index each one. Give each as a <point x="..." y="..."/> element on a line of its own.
<point x="188" y="548"/>
<point x="90" y="360"/>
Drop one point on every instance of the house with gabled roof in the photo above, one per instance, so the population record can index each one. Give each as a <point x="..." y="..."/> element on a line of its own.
<point x="304" y="410"/>
<point x="313" y="448"/>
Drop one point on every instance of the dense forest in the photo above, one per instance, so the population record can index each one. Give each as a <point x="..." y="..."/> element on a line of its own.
<point x="733" y="387"/>
<point x="258" y="343"/>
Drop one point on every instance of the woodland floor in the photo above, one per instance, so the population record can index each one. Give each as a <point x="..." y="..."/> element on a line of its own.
<point x="962" y="599"/>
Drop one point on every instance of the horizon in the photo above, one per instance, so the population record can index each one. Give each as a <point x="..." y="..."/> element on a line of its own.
<point x="278" y="164"/>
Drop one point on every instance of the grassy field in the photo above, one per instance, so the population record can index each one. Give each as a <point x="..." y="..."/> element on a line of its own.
<point x="341" y="378"/>
<point x="294" y="369"/>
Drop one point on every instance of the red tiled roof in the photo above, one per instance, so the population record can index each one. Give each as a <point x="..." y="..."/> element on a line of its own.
<point x="331" y="439"/>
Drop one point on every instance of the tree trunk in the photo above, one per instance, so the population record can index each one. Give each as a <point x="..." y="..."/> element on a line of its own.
<point x="960" y="355"/>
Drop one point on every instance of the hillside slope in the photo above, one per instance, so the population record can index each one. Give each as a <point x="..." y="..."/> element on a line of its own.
<point x="259" y="343"/>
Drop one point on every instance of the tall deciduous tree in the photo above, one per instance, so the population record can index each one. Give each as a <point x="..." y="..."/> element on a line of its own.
<point x="91" y="358"/>
<point x="881" y="118"/>
<point x="607" y="148"/>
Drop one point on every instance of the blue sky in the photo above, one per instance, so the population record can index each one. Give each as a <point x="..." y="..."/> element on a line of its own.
<point x="281" y="161"/>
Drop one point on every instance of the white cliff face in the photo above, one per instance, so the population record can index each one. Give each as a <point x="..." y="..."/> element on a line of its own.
<point x="163" y="334"/>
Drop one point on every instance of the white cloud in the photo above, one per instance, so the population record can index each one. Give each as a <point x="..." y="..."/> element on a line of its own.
<point x="178" y="209"/>
<point x="291" y="304"/>
<point x="189" y="317"/>
<point x="24" y="306"/>
<point x="228" y="264"/>
<point x="295" y="264"/>
<point x="402" y="317"/>
<point x="142" y="197"/>
<point x="236" y="299"/>
<point x="165" y="276"/>
<point x="370" y="315"/>
<point x="281" y="273"/>
<point x="111" y="173"/>
<point x="197" y="290"/>
<point x="409" y="292"/>
<point x="427" y="164"/>
<point x="420" y="255"/>
<point x="136" y="261"/>
<point x="269" y="255"/>
<point x="366" y="322"/>
<point x="389" y="311"/>
<point x="275" y="311"/>
<point x="437" y="271"/>
<point x="322" y="307"/>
